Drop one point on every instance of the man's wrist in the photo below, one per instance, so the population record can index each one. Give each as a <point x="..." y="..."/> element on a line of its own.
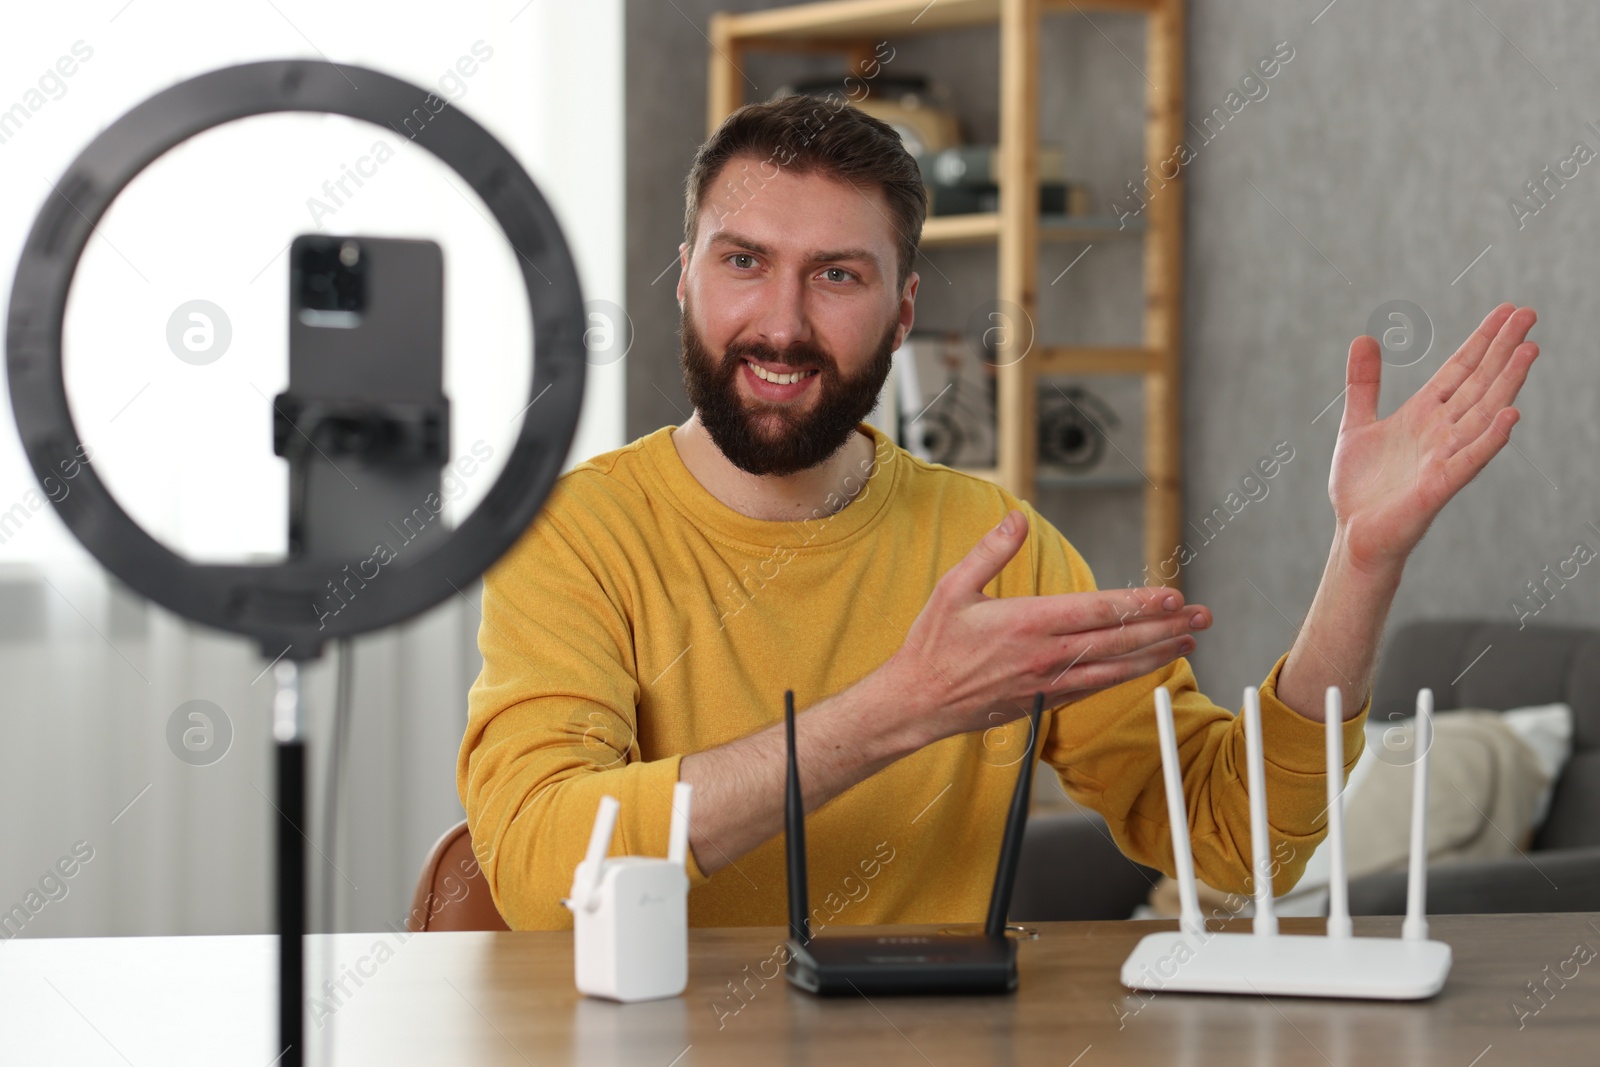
<point x="1336" y="643"/>
<point x="889" y="718"/>
<point x="1376" y="575"/>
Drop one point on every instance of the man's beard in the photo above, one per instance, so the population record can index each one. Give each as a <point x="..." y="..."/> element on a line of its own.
<point x="766" y="437"/>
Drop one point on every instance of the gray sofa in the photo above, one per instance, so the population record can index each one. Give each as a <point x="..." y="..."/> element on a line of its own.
<point x="1070" y="869"/>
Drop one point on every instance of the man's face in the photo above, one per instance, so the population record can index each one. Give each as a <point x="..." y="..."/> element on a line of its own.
<point x="795" y="273"/>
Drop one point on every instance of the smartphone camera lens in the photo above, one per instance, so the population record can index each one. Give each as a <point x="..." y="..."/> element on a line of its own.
<point x="330" y="276"/>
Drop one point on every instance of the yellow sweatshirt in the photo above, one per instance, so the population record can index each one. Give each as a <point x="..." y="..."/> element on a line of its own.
<point x="639" y="619"/>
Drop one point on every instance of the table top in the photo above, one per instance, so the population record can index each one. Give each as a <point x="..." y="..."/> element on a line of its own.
<point x="508" y="998"/>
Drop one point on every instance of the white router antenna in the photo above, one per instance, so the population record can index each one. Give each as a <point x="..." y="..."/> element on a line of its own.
<point x="1338" y="881"/>
<point x="605" y="824"/>
<point x="678" y="835"/>
<point x="1189" y="900"/>
<point x="1266" y="920"/>
<point x="1415" y="927"/>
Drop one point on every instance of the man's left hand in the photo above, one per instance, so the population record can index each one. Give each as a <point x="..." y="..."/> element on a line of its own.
<point x="1391" y="476"/>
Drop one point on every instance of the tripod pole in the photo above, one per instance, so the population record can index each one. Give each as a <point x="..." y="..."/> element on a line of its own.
<point x="287" y="731"/>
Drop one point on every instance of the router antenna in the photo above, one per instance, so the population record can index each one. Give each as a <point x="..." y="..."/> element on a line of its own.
<point x="1415" y="927"/>
<point x="1338" y="884"/>
<point x="1189" y="908"/>
<point x="1266" y="920"/>
<point x="1005" y="873"/>
<point x="678" y="835"/>
<point x="794" y="833"/>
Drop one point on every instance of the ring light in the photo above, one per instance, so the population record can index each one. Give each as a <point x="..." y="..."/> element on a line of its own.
<point x="276" y="604"/>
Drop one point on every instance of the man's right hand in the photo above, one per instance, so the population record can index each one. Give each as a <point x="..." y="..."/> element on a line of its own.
<point x="973" y="661"/>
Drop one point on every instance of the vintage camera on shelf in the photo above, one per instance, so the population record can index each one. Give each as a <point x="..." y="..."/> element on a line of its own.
<point x="947" y="399"/>
<point x="1073" y="428"/>
<point x="1091" y="437"/>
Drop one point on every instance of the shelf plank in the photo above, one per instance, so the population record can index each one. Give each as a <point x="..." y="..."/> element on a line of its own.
<point x="948" y="230"/>
<point x="1101" y="360"/>
<point x="724" y="73"/>
<point x="824" y="24"/>
<point x="945" y="231"/>
<point x="1109" y="7"/>
<point x="843" y="20"/>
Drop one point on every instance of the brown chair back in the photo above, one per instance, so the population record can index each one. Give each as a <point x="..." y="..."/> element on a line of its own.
<point x="452" y="893"/>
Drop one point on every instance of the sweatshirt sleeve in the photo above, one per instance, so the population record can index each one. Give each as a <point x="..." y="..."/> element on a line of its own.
<point x="1105" y="751"/>
<point x="552" y="727"/>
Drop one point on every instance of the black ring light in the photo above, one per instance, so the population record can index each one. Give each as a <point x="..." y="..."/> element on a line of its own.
<point x="276" y="603"/>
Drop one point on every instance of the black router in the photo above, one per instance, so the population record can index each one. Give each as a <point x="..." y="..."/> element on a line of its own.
<point x="905" y="963"/>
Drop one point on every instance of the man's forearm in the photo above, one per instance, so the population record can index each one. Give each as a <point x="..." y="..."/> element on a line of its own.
<point x="845" y="739"/>
<point x="1338" y="642"/>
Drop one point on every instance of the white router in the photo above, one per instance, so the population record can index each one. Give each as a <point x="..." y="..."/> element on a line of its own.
<point x="630" y="913"/>
<point x="1194" y="959"/>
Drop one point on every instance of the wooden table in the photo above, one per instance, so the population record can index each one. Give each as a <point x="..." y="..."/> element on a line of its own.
<point x="508" y="998"/>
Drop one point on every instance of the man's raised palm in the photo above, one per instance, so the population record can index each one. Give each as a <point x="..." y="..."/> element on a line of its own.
<point x="1391" y="476"/>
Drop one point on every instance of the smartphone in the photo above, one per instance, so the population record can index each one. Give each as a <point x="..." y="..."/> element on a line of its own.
<point x="365" y="422"/>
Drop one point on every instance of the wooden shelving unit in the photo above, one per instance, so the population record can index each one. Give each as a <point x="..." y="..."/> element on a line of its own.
<point x="851" y="28"/>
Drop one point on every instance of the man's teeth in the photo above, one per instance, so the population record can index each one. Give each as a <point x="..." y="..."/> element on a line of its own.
<point x="780" y="379"/>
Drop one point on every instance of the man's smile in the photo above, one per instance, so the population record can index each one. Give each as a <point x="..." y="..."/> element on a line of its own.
<point x="768" y="384"/>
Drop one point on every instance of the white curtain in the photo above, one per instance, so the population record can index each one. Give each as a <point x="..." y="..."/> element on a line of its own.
<point x="95" y="675"/>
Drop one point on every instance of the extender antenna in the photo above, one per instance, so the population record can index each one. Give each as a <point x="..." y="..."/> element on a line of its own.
<point x="1005" y="874"/>
<point x="678" y="834"/>
<point x="605" y="824"/>
<point x="794" y="827"/>
<point x="1415" y="927"/>
<point x="1266" y="920"/>
<point x="1338" y="877"/>
<point x="1189" y="918"/>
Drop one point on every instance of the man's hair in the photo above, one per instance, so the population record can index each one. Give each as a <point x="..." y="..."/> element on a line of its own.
<point x="806" y="134"/>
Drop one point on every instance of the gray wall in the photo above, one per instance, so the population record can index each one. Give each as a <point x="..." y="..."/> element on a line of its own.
<point x="1382" y="160"/>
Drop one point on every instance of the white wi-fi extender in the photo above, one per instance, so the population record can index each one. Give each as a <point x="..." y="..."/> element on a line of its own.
<point x="1194" y="959"/>
<point x="631" y="913"/>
